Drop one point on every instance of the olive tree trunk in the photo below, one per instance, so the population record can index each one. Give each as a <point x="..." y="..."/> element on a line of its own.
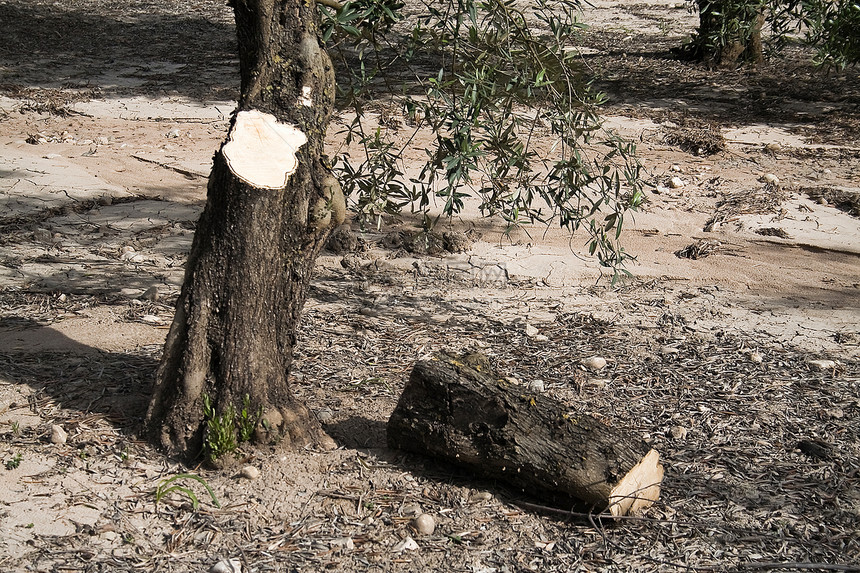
<point x="271" y="204"/>
<point x="730" y="32"/>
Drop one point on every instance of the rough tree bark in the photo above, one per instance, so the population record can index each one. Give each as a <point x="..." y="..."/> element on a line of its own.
<point x="455" y="409"/>
<point x="730" y="32"/>
<point x="270" y="207"/>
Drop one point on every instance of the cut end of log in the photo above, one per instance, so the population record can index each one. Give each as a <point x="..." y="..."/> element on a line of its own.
<point x="639" y="489"/>
<point x="261" y="150"/>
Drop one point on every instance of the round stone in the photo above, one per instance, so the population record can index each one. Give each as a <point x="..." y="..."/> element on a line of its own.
<point x="424" y="524"/>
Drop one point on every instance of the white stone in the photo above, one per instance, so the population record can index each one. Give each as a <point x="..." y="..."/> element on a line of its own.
<point x="769" y="178"/>
<point x="132" y="257"/>
<point x="227" y="566"/>
<point x="676" y="182"/>
<point x="756" y="357"/>
<point x="676" y="168"/>
<point x="594" y="363"/>
<point x="538" y="386"/>
<point x="345" y="542"/>
<point x="58" y="435"/>
<point x="822" y="364"/>
<point x="250" y="472"/>
<point x="262" y="151"/>
<point x="407" y="544"/>
<point x="531" y="331"/>
<point x="424" y="524"/>
<point x="150" y="319"/>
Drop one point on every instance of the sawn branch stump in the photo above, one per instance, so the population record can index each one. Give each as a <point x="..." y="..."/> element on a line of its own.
<point x="455" y="409"/>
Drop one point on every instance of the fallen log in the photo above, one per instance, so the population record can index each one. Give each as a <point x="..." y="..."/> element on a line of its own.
<point x="456" y="409"/>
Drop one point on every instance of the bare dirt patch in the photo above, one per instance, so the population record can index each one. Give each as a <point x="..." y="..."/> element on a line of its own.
<point x="741" y="367"/>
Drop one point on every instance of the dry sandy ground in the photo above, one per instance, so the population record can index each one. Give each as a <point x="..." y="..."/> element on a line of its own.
<point x="712" y="359"/>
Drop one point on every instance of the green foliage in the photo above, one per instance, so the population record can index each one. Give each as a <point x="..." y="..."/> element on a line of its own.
<point x="834" y="28"/>
<point x="831" y="26"/>
<point x="169" y="486"/>
<point x="14" y="462"/>
<point x="246" y="421"/>
<point x="224" y="432"/>
<point x="515" y="124"/>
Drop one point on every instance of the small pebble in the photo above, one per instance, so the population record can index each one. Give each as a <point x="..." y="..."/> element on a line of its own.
<point x="325" y="416"/>
<point x="345" y="542"/>
<point x="531" y="331"/>
<point x="822" y="364"/>
<point x="481" y="496"/>
<point x="58" y="435"/>
<point x="676" y="168"/>
<point x="424" y="524"/>
<point x="538" y="386"/>
<point x="756" y="357"/>
<point x="773" y="147"/>
<point x="411" y="509"/>
<point x="678" y="432"/>
<point x="150" y="294"/>
<point x="132" y="257"/>
<point x="769" y="178"/>
<point x="594" y="363"/>
<point x="407" y="544"/>
<point x="676" y="182"/>
<point x="174" y="133"/>
<point x="227" y="566"/>
<point x="250" y="472"/>
<point x="150" y="319"/>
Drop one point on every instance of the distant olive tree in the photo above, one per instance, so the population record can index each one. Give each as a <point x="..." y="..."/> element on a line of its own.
<point x="731" y="31"/>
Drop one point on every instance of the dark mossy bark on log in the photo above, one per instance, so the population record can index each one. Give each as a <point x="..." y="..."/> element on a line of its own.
<point x="455" y="409"/>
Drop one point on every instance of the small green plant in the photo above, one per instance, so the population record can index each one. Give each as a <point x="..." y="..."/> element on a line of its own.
<point x="169" y="485"/>
<point x="14" y="462"/>
<point x="220" y="437"/>
<point x="246" y="421"/>
<point x="224" y="432"/>
<point x="16" y="429"/>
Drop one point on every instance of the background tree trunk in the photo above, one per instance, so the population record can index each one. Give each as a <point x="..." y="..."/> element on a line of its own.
<point x="254" y="249"/>
<point x="729" y="32"/>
